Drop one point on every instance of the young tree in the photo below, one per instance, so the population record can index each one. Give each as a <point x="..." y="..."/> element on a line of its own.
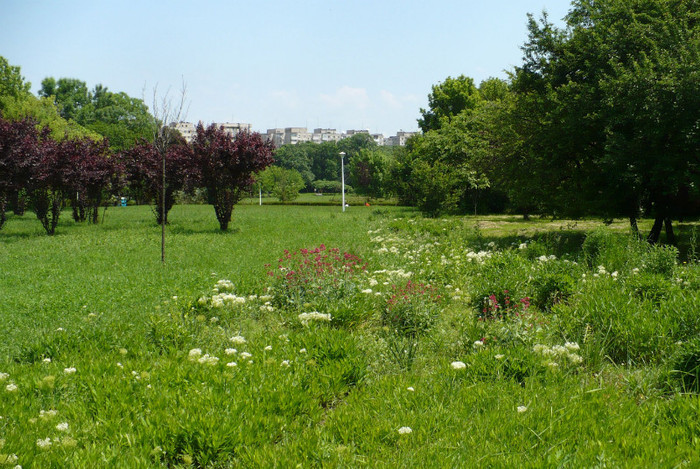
<point x="284" y="183"/>
<point x="50" y="182"/>
<point x="227" y="165"/>
<point x="90" y="176"/>
<point x="144" y="168"/>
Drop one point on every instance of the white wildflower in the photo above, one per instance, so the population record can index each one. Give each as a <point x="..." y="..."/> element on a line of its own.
<point x="521" y="409"/>
<point x="268" y="348"/>
<point x="572" y="346"/>
<point x="46" y="360"/>
<point x="194" y="354"/>
<point x="69" y="371"/>
<point x="231" y="364"/>
<point x="367" y="291"/>
<point x="4" y="376"/>
<point x="12" y="387"/>
<point x="46" y="414"/>
<point x="43" y="444"/>
<point x="458" y="365"/>
<point x="305" y="318"/>
<point x="303" y="350"/>
<point x="285" y="363"/>
<point x="478" y="344"/>
<point x="245" y="355"/>
<point x="410" y="388"/>
<point x="238" y="339"/>
<point x="208" y="360"/>
<point x="62" y="427"/>
<point x="405" y="430"/>
<point x="230" y="351"/>
<point x="499" y="356"/>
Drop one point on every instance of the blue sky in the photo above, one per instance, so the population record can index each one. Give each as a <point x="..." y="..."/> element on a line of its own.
<point x="340" y="64"/>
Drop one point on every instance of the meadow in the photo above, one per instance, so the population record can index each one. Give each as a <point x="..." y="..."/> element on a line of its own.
<point x="307" y="337"/>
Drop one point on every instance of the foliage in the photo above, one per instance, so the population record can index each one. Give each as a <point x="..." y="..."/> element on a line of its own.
<point x="296" y="157"/>
<point x="448" y="99"/>
<point x="285" y="184"/>
<point x="20" y="151"/>
<point x="144" y="167"/>
<point x="123" y="120"/>
<point x="12" y="84"/>
<point x="368" y="173"/>
<point x="610" y="100"/>
<point x="227" y="165"/>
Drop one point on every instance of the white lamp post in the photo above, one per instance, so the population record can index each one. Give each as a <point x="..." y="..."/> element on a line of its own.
<point x="342" y="176"/>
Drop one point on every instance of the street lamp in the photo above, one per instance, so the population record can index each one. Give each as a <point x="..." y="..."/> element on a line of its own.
<point x="342" y="176"/>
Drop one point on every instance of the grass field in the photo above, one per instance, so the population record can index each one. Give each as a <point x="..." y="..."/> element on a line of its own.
<point x="455" y="342"/>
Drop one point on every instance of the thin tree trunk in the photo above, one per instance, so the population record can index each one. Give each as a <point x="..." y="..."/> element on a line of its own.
<point x="670" y="236"/>
<point x="655" y="232"/>
<point x="634" y="226"/>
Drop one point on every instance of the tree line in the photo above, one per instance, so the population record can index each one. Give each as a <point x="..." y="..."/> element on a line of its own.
<point x="602" y="118"/>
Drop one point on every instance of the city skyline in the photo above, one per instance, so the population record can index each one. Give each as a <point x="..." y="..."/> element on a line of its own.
<point x="343" y="65"/>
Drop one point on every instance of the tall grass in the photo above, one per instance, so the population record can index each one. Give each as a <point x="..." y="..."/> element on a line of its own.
<point x="541" y="349"/>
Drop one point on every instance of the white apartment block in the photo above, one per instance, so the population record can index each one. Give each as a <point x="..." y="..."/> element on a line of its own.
<point x="325" y="135"/>
<point x="188" y="129"/>
<point x="378" y="139"/>
<point x="398" y="140"/>
<point x="294" y="135"/>
<point x="276" y="136"/>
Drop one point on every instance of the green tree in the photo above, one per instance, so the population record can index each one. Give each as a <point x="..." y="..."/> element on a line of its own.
<point x="284" y="183"/>
<point x="616" y="96"/>
<point x="12" y="84"/>
<point x="70" y="95"/>
<point x="368" y="173"/>
<point x="447" y="100"/>
<point x="296" y="157"/>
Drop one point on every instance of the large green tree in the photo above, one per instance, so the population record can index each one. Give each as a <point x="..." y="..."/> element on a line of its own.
<point x="613" y="102"/>
<point x="122" y="119"/>
<point x="448" y="99"/>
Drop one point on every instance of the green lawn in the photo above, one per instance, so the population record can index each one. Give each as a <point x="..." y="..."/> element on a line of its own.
<point x="601" y="370"/>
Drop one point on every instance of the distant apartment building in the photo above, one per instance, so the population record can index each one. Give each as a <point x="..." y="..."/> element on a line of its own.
<point x="399" y="139"/>
<point x="186" y="129"/>
<point x="378" y="139"/>
<point x="325" y="135"/>
<point x="294" y="135"/>
<point x="276" y="136"/>
<point x="350" y="133"/>
<point x="234" y="128"/>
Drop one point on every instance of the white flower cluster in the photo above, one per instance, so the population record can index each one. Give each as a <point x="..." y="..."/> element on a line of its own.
<point x="206" y="359"/>
<point x="478" y="257"/>
<point x="223" y="285"/>
<point x="305" y="318"/>
<point x="47" y="414"/>
<point x="238" y="339"/>
<point x="226" y="299"/>
<point x="566" y="351"/>
<point x="458" y="365"/>
<point x="551" y="257"/>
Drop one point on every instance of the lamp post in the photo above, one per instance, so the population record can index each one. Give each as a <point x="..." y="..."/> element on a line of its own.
<point x="342" y="176"/>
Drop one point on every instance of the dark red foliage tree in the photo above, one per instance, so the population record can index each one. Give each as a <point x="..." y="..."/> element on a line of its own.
<point x="50" y="182"/>
<point x="20" y="152"/>
<point x="90" y="175"/>
<point x="144" y="170"/>
<point x="227" y="165"/>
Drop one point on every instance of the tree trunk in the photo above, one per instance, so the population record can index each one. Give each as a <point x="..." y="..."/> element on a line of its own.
<point x="3" y="203"/>
<point x="670" y="236"/>
<point x="655" y="232"/>
<point x="634" y="226"/>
